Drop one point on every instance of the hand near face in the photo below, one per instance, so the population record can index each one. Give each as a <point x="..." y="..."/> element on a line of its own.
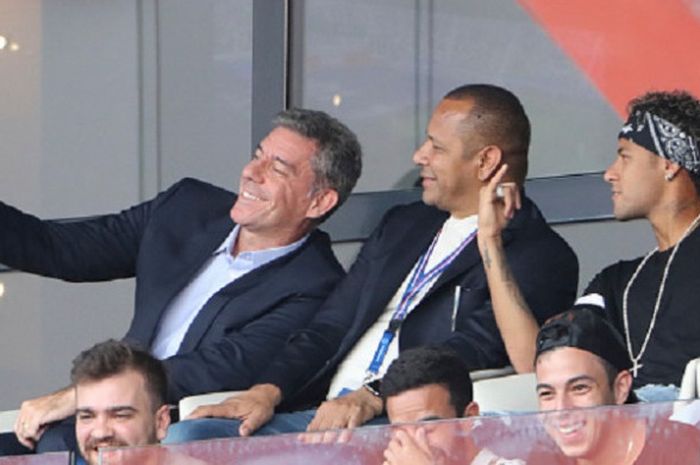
<point x="409" y="448"/>
<point x="498" y="202"/>
<point x="253" y="407"/>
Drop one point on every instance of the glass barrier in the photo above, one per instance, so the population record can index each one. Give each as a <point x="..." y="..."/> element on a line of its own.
<point x="54" y="458"/>
<point x="636" y="434"/>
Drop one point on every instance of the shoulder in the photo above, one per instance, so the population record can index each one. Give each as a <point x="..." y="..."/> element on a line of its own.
<point x="617" y="272"/>
<point x="195" y="189"/>
<point x="411" y="213"/>
<point x="531" y="234"/>
<point x="313" y="263"/>
<point x="194" y="199"/>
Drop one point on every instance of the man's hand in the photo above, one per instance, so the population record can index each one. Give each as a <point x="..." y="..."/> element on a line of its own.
<point x="36" y="414"/>
<point x="409" y="449"/>
<point x="498" y="202"/>
<point x="349" y="411"/>
<point x="253" y="407"/>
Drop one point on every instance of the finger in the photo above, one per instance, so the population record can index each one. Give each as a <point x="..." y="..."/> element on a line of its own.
<point x="25" y="433"/>
<point x="21" y="425"/>
<point x="496" y="179"/>
<point x="26" y="442"/>
<point x="400" y="438"/>
<point x="329" y="437"/>
<point x="391" y="452"/>
<point x="202" y="411"/>
<point x="356" y="419"/>
<point x="315" y="422"/>
<point x="308" y="438"/>
<point x="254" y="420"/>
<point x="345" y="436"/>
<point x="323" y="421"/>
<point x="214" y="410"/>
<point x="510" y="197"/>
<point x="421" y="440"/>
<point x="508" y="201"/>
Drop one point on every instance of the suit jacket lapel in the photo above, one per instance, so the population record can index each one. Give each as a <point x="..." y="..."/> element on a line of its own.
<point x="390" y="274"/>
<point x="470" y="256"/>
<point x="192" y="254"/>
<point x="205" y="317"/>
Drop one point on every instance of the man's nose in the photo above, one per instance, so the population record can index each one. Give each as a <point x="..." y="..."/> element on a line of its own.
<point x="563" y="402"/>
<point x="420" y="156"/>
<point x="102" y="429"/>
<point x="611" y="173"/>
<point x="255" y="170"/>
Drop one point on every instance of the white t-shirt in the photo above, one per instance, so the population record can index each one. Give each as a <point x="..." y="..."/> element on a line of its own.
<point x="352" y="370"/>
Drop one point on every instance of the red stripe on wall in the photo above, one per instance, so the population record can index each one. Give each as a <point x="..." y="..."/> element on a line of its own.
<point x="626" y="47"/>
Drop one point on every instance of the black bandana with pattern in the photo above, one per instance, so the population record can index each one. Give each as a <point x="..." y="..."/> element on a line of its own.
<point x="662" y="138"/>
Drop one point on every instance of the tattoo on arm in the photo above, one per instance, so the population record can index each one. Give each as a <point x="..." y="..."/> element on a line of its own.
<point x="512" y="284"/>
<point x="487" y="258"/>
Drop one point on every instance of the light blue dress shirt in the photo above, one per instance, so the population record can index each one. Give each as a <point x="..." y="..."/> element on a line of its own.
<point x="221" y="269"/>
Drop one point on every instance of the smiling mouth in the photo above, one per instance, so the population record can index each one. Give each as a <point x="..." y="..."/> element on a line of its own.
<point x="570" y="428"/>
<point x="248" y="196"/>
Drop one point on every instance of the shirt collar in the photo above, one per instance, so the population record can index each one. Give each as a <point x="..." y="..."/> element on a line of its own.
<point x="257" y="257"/>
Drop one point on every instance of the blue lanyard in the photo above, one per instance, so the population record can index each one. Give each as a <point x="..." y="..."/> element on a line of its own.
<point x="419" y="280"/>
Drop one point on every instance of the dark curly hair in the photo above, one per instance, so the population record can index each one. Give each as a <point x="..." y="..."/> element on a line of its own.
<point x="679" y="107"/>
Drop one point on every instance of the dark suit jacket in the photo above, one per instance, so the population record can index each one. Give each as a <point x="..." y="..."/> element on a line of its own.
<point x="544" y="265"/>
<point x="163" y="243"/>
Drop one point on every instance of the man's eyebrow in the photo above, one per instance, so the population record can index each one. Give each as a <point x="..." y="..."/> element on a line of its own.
<point x="430" y="418"/>
<point x="437" y="141"/>
<point x="115" y="408"/>
<point x="286" y="163"/>
<point x="543" y="386"/>
<point x="121" y="408"/>
<point x="580" y="378"/>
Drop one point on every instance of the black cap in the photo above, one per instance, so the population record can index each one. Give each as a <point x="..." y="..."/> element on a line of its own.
<point x="584" y="328"/>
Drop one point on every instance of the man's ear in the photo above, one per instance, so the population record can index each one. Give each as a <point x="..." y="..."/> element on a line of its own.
<point x="162" y="417"/>
<point x="490" y="159"/>
<point x="322" y="202"/>
<point x="671" y="169"/>
<point x="622" y="386"/>
<point x="471" y="410"/>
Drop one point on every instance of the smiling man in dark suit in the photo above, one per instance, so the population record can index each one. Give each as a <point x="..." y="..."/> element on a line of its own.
<point x="418" y="280"/>
<point x="221" y="280"/>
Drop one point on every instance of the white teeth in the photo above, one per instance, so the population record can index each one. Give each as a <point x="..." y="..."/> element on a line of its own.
<point x="247" y="195"/>
<point x="568" y="429"/>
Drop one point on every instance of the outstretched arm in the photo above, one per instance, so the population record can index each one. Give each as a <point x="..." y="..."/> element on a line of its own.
<point x="498" y="202"/>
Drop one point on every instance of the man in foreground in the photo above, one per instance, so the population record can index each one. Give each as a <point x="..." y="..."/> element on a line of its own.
<point x="120" y="398"/>
<point x="420" y="388"/>
<point x="417" y="281"/>
<point x="221" y="280"/>
<point x="581" y="363"/>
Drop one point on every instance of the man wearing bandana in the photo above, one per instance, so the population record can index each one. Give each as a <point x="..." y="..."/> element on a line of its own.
<point x="651" y="300"/>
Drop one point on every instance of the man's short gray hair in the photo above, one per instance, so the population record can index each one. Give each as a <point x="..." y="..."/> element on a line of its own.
<point x="337" y="163"/>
